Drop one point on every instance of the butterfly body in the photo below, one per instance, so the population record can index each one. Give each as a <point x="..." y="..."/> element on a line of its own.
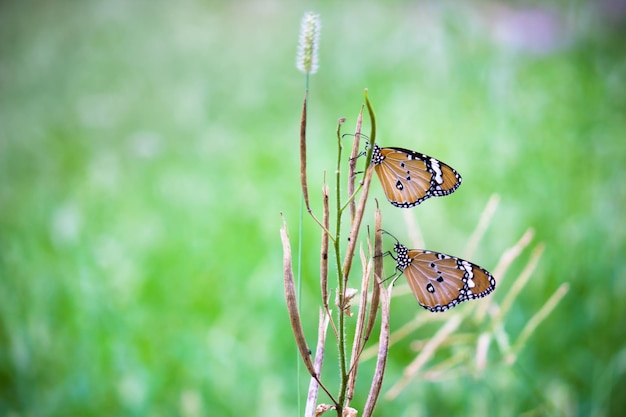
<point x="439" y="281"/>
<point x="408" y="177"/>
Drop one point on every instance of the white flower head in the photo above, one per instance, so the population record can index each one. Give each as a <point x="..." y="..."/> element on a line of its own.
<point x="307" y="59"/>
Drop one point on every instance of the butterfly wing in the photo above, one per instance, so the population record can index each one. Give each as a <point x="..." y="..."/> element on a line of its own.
<point x="439" y="281"/>
<point x="408" y="178"/>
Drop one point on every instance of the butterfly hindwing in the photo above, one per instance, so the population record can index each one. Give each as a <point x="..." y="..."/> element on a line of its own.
<point x="440" y="281"/>
<point x="408" y="177"/>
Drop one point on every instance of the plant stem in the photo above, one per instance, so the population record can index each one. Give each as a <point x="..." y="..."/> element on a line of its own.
<point x="341" y="337"/>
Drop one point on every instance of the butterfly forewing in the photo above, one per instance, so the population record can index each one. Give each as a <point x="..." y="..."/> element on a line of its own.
<point x="402" y="180"/>
<point x="439" y="281"/>
<point x="428" y="282"/>
<point x="408" y="178"/>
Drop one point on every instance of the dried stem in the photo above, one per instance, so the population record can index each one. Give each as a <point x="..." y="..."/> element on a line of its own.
<point x="370" y="261"/>
<point x="383" y="347"/>
<point x="378" y="271"/>
<point x="303" y="176"/>
<point x="324" y="250"/>
<point x="324" y="257"/>
<point x="357" y="344"/>
<point x="292" y="307"/>
<point x="343" y="271"/>
<point x="341" y="284"/>
<point x="356" y="225"/>
<point x="303" y="179"/>
<point x="311" y="402"/>
<point x="353" y="161"/>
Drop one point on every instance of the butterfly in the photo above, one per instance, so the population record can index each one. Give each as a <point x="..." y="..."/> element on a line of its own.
<point x="439" y="281"/>
<point x="408" y="177"/>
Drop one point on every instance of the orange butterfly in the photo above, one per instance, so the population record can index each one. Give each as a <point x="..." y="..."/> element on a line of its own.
<point x="440" y="282"/>
<point x="408" y="178"/>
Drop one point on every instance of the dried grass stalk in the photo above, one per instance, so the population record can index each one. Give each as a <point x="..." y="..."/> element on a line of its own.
<point x="311" y="401"/>
<point x="357" y="344"/>
<point x="378" y="271"/>
<point x="383" y="348"/>
<point x="424" y="356"/>
<point x="292" y="304"/>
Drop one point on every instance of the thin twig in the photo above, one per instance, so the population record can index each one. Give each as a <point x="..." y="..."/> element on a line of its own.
<point x="353" y="161"/>
<point x="311" y="402"/>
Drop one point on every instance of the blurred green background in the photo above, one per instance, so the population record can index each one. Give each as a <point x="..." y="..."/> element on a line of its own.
<point x="148" y="147"/>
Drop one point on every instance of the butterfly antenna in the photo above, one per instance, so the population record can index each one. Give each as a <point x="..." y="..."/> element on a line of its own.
<point x="387" y="233"/>
<point x="364" y="136"/>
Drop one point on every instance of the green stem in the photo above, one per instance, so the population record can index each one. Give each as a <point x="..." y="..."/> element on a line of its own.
<point x="370" y="110"/>
<point x="341" y="342"/>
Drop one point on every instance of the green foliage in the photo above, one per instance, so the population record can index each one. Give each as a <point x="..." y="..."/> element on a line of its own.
<point x="146" y="150"/>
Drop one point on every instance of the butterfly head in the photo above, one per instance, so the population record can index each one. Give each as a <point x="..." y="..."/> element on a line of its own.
<point x="402" y="253"/>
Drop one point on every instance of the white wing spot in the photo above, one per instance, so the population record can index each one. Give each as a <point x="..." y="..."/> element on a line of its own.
<point x="468" y="269"/>
<point x="434" y="164"/>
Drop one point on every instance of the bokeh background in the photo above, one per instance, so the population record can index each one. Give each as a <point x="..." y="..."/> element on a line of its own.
<point x="148" y="147"/>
